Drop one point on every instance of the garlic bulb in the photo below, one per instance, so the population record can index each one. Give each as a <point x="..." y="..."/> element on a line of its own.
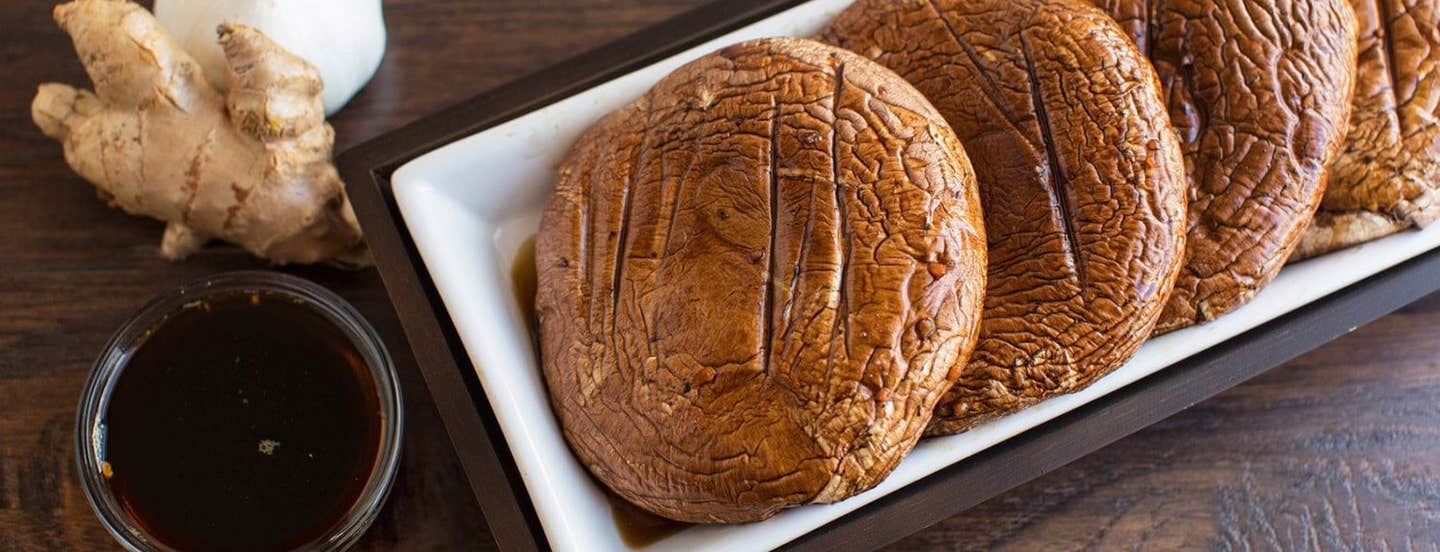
<point x="344" y="39"/>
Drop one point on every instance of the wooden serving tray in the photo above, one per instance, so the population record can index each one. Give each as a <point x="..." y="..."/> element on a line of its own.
<point x="486" y="458"/>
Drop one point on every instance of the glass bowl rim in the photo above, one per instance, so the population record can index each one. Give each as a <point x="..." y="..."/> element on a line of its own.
<point x="94" y="400"/>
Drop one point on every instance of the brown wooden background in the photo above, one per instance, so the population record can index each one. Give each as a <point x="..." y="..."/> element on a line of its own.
<point x="1337" y="450"/>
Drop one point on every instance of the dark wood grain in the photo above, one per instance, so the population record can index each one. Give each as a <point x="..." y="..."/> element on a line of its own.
<point x="1335" y="450"/>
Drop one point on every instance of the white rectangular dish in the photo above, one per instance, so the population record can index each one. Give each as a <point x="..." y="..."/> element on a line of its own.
<point x="471" y="204"/>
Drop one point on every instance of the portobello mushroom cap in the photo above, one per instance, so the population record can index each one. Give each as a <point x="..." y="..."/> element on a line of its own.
<point x="1259" y="91"/>
<point x="1387" y="177"/>
<point x="1081" y="179"/>
<point x="756" y="282"/>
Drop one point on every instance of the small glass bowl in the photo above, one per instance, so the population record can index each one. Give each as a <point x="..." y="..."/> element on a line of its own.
<point x="94" y="402"/>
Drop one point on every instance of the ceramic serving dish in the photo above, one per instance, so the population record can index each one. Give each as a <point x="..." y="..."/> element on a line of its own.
<point x="470" y="205"/>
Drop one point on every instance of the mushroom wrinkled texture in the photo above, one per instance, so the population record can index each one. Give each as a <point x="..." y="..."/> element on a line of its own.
<point x="1081" y="182"/>
<point x="1387" y="177"/>
<point x="756" y="282"/>
<point x="1259" y="91"/>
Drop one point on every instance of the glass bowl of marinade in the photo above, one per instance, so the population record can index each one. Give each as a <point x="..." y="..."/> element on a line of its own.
<point x="244" y="411"/>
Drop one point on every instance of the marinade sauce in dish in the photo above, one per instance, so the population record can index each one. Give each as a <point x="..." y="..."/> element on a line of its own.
<point x="637" y="527"/>
<point x="243" y="420"/>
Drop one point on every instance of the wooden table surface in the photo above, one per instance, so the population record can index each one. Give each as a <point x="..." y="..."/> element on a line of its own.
<point x="1339" y="449"/>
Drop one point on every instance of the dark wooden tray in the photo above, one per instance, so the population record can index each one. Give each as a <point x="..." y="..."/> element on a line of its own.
<point x="486" y="458"/>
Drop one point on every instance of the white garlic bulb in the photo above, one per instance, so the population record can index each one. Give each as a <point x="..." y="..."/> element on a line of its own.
<point x="344" y="39"/>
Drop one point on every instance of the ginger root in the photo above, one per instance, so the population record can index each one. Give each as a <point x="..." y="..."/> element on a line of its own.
<point x="156" y="139"/>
